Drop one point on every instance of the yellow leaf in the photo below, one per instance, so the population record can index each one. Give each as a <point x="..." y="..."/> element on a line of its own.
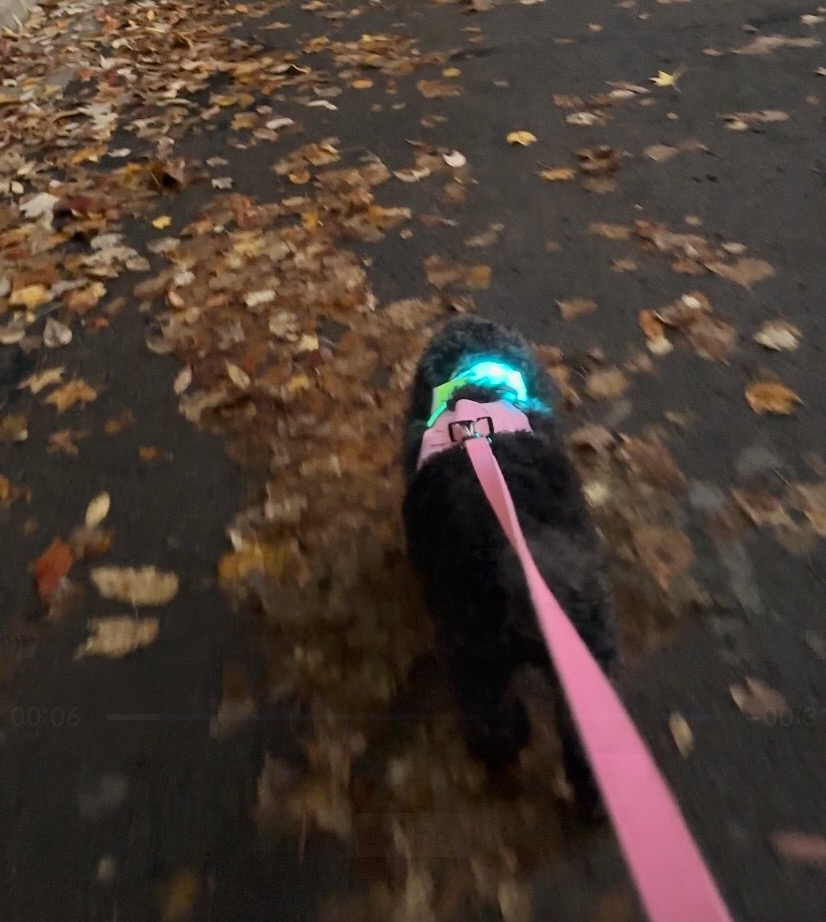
<point x="179" y="897"/>
<point x="362" y="84"/>
<point x="39" y="381"/>
<point x="451" y="72"/>
<point x="523" y="138"/>
<point x="29" y="297"/>
<point x="298" y="383"/>
<point x="77" y="391"/>
<point x="97" y="510"/>
<point x="558" y="174"/>
<point x="236" y="566"/>
<point x="299" y="178"/>
<point x="163" y="221"/>
<point x="772" y="397"/>
<point x="665" y="79"/>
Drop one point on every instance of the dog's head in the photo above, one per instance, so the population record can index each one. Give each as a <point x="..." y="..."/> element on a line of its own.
<point x="468" y="339"/>
<point x="458" y="344"/>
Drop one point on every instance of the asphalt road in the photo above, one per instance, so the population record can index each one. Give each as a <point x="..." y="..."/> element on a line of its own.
<point x="100" y="816"/>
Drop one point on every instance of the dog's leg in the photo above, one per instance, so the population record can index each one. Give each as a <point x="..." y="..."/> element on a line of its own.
<point x="494" y="720"/>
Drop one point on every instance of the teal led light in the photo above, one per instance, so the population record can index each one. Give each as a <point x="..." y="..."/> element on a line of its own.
<point x="482" y="373"/>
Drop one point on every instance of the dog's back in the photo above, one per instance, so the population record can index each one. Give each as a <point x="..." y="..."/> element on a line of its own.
<point x="473" y="583"/>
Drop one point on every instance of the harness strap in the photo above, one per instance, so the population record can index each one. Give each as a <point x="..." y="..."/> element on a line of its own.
<point x="673" y="882"/>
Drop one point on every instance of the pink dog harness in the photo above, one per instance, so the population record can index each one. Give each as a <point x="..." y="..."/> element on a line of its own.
<point x="673" y="882"/>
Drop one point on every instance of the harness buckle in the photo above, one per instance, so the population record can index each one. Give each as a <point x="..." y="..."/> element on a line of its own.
<point x="467" y="429"/>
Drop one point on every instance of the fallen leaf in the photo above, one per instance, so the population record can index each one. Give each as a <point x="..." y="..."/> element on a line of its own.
<point x="745" y="272"/>
<point x="761" y="508"/>
<point x="521" y="138"/>
<point x="438" y="89"/>
<point x="90" y="543"/>
<point x="63" y="440"/>
<point x="162" y="222"/>
<point x="56" y="334"/>
<point x="118" y="636"/>
<point x="779" y="335"/>
<point x="757" y="700"/>
<point x="681" y="733"/>
<point x="77" y="391"/>
<point x="29" y="297"/>
<point x="51" y="567"/>
<point x="654" y="331"/>
<point x="558" y="174"/>
<point x="238" y="376"/>
<point x="455" y="160"/>
<point x="663" y="78"/>
<point x="800" y="847"/>
<point x="412" y="175"/>
<point x="97" y="510"/>
<point x="42" y="379"/>
<point x="659" y="153"/>
<point x="666" y="552"/>
<point x="576" y="307"/>
<point x="118" y="423"/>
<point x="712" y="337"/>
<point x="610" y="231"/>
<point x="585" y="119"/>
<point x="766" y="44"/>
<point x="182" y="380"/>
<point x="144" y="586"/>
<point x="606" y="384"/>
<point x="14" y="428"/>
<point x="810" y="499"/>
<point x="772" y="397"/>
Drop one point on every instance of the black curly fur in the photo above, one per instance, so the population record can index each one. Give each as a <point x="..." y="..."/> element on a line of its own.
<point x="472" y="579"/>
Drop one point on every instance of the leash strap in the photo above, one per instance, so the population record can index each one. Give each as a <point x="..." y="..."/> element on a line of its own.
<point x="665" y="863"/>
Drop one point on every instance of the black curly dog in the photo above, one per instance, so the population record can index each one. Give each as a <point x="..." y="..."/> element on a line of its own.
<point x="473" y="583"/>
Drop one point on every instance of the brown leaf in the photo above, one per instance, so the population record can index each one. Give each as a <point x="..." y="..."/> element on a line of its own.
<point x="712" y="337"/>
<point x="558" y="174"/>
<point x="761" y="508"/>
<point x="610" y="231"/>
<point x="654" y="331"/>
<point x="43" y="379"/>
<point x="90" y="543"/>
<point x="118" y="423"/>
<point x="746" y="272"/>
<point x="606" y="384"/>
<point x="442" y="274"/>
<point x="800" y="847"/>
<point x="63" y="441"/>
<point x="598" y="161"/>
<point x="576" y="307"/>
<point x="14" y="428"/>
<point x="77" y="391"/>
<point x="178" y="897"/>
<point x="810" y="499"/>
<point x="438" y="89"/>
<point x="597" y="438"/>
<point x="51" y="567"/>
<point x="757" y="700"/>
<point x="772" y="397"/>
<point x="665" y="551"/>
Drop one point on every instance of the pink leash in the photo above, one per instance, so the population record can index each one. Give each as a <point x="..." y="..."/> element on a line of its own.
<point x="665" y="863"/>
